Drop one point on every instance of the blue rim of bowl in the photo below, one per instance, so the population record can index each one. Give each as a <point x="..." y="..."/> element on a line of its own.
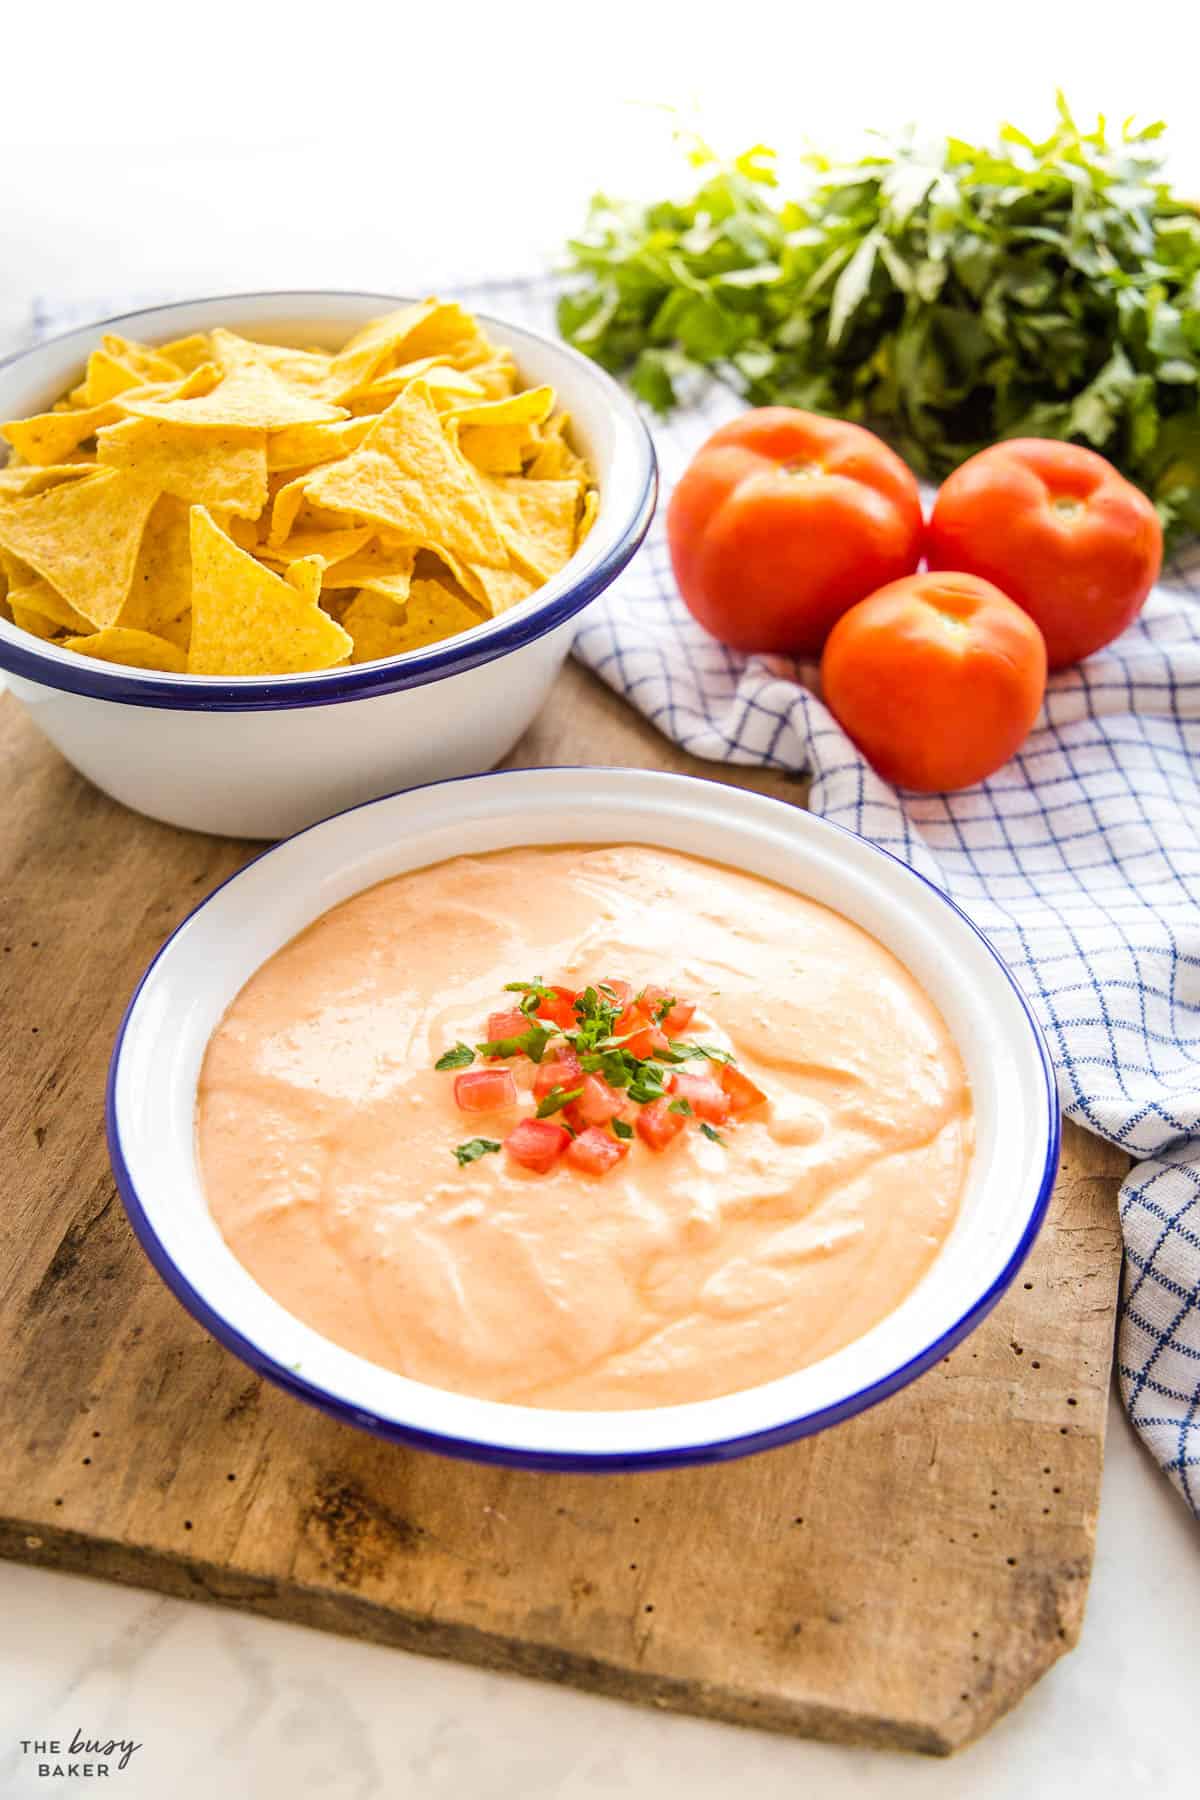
<point x="331" y="687"/>
<point x="583" y="1462"/>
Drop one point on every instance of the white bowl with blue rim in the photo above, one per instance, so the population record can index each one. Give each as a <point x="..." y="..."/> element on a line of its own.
<point x="256" y="757"/>
<point x="186" y="990"/>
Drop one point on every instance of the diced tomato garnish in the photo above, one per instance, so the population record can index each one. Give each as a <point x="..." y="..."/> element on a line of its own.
<point x="742" y="1093"/>
<point x="594" y="1151"/>
<point x="656" y="1124"/>
<point x="563" y="1071"/>
<point x="620" y="991"/>
<point x="597" y="1104"/>
<point x="648" y="1043"/>
<point x="506" y="1025"/>
<point x="537" y="1143"/>
<point x="483" y="1090"/>
<point x="708" y="1100"/>
<point x="561" y="1010"/>
<point x="676" y="1019"/>
<point x="645" y="1038"/>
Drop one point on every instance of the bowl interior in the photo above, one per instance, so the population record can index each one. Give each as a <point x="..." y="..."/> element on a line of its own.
<point x="187" y="989"/>
<point x="605" y="426"/>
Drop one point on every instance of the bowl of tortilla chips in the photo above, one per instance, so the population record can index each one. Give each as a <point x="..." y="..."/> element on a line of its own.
<point x="263" y="557"/>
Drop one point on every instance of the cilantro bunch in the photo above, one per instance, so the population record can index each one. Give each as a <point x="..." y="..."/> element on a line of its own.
<point x="948" y="298"/>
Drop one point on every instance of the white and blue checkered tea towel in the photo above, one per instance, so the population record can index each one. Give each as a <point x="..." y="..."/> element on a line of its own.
<point x="1080" y="860"/>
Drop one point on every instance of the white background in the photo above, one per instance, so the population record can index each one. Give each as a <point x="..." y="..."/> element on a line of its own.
<point x="175" y="150"/>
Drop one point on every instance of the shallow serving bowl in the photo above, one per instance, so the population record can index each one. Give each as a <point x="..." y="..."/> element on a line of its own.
<point x="185" y="991"/>
<point x="252" y="757"/>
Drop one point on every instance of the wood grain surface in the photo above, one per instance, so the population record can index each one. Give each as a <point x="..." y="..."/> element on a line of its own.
<point x="901" y="1580"/>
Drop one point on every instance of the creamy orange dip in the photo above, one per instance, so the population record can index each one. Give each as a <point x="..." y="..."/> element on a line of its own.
<point x="326" y="1135"/>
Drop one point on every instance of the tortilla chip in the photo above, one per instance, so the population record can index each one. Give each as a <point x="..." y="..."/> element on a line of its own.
<point x="554" y="459"/>
<point x="430" y="328"/>
<point x="246" y="620"/>
<point x="209" y="466"/>
<point x="33" y="595"/>
<point x="408" y="477"/>
<point x="107" y="376"/>
<point x="302" y="446"/>
<point x="188" y="353"/>
<point x="285" y="507"/>
<point x="50" y="437"/>
<point x="381" y="569"/>
<point x="539" y="520"/>
<point x="25" y="479"/>
<point x="249" y="395"/>
<point x="587" y="518"/>
<point x="448" y="387"/>
<point x="145" y="362"/>
<point x="160" y="593"/>
<point x="83" y="537"/>
<point x="533" y="407"/>
<point x="139" y="649"/>
<point x="379" y="628"/>
<point x="329" y="547"/>
<point x="308" y="371"/>
<point x="496" y="374"/>
<point x="498" y="449"/>
<point x="32" y="620"/>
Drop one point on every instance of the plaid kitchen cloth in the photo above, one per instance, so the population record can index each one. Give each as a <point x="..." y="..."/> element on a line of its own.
<point x="1080" y="860"/>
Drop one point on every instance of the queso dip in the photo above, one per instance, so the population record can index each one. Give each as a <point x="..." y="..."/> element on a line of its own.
<point x="753" y="1139"/>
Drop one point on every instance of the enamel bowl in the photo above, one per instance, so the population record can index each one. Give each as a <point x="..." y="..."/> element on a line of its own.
<point x="186" y="990"/>
<point x="252" y="757"/>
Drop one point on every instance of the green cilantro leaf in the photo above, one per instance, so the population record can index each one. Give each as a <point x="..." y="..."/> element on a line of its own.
<point x="556" y="1099"/>
<point x="710" y="1131"/>
<point x="531" y="1043"/>
<point x="685" y="1052"/>
<point x="681" y="1106"/>
<point x="622" y="1128"/>
<point x="458" y="1058"/>
<point x="473" y="1149"/>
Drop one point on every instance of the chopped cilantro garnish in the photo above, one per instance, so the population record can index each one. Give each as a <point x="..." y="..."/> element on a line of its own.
<point x="600" y="1050"/>
<point x="647" y="1083"/>
<point x="711" y="1051"/>
<point x="531" y="1043"/>
<point x="556" y="1099"/>
<point x="473" y="1149"/>
<point x="532" y="994"/>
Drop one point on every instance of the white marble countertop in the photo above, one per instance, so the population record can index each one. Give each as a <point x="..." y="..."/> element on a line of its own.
<point x="391" y="154"/>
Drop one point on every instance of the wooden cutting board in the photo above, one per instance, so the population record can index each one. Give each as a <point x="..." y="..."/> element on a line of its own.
<point x="901" y="1580"/>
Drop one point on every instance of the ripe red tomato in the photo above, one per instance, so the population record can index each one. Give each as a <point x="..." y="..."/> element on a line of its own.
<point x="937" y="678"/>
<point x="563" y="1071"/>
<point x="597" y="1102"/>
<point x="743" y="1094"/>
<point x="782" y="521"/>
<point x="678" y="1016"/>
<point x="594" y="1151"/>
<point x="483" y="1090"/>
<point x="1059" y="531"/>
<point x="706" y="1097"/>
<point x="537" y="1144"/>
<point x="561" y="1010"/>
<point x="506" y="1025"/>
<point x="657" y="1125"/>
